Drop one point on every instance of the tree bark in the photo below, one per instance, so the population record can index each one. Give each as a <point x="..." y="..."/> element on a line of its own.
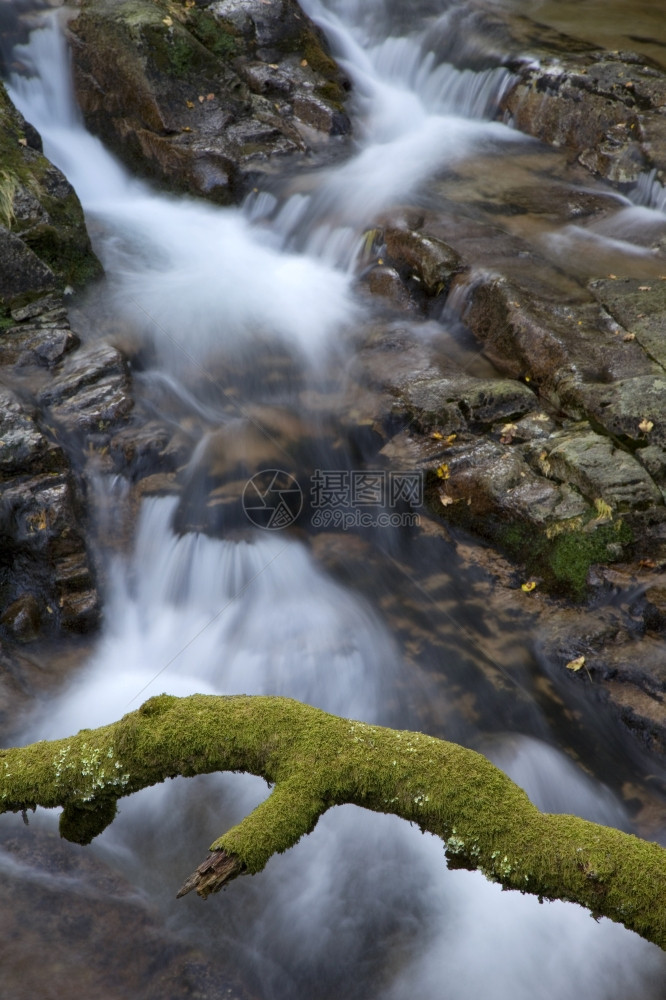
<point x="314" y="761"/>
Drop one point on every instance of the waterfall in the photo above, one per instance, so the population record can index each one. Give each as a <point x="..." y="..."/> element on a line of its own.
<point x="364" y="907"/>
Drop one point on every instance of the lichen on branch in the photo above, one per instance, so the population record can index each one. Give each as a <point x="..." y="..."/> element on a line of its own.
<point x="314" y="761"/>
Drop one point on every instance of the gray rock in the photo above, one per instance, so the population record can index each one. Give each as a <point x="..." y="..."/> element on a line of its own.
<point x="22" y="273"/>
<point x="204" y="97"/>
<point x="599" y="469"/>
<point x="24" y="449"/>
<point x="41" y="528"/>
<point x="433" y="262"/>
<point x="91" y="392"/>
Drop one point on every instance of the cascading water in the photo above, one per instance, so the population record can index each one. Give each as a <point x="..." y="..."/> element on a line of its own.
<point x="364" y="907"/>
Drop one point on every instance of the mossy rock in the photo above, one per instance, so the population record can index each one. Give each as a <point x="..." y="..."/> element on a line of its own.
<point x="58" y="236"/>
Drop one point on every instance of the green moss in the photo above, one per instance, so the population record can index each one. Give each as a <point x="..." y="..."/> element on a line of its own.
<point x="318" y="59"/>
<point x="316" y="761"/>
<point x="559" y="555"/>
<point x="8" y="185"/>
<point x="216" y="34"/>
<point x="571" y="554"/>
<point x="64" y="244"/>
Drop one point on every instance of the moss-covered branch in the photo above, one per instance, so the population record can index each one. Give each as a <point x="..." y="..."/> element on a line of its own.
<point x="316" y="760"/>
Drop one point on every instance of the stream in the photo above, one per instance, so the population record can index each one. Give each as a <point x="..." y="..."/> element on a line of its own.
<point x="250" y="316"/>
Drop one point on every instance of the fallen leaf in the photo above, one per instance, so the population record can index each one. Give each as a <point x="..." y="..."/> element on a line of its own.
<point x="443" y="472"/>
<point x="186" y="128"/>
<point x="273" y="66"/>
<point x="528" y="378"/>
<point x="645" y="288"/>
<point x="507" y="433"/>
<point x="210" y="97"/>
<point x="528" y="587"/>
<point x="436" y="436"/>
<point x="190" y="104"/>
<point x="647" y="563"/>
<point x="201" y="98"/>
<point x="304" y="62"/>
<point x="23" y="142"/>
<point x="629" y="336"/>
<point x="645" y="425"/>
<point x="613" y="277"/>
<point x="168" y="21"/>
<point x="576" y="664"/>
<point x="446" y="500"/>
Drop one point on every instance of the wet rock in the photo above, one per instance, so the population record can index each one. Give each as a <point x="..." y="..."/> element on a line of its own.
<point x="91" y="392"/>
<point x="600" y="470"/>
<point x="22" y="273"/>
<point x="42" y="337"/>
<point x="24" y="449"/>
<point x="633" y="409"/>
<point x="548" y="341"/>
<point x="143" y="449"/>
<point x="640" y="308"/>
<point x="464" y="401"/>
<point x="41" y="528"/>
<point x="386" y="282"/>
<point x="205" y="97"/>
<point x="23" y="618"/>
<point x="427" y="258"/>
<point x="606" y="107"/>
<point x="43" y="239"/>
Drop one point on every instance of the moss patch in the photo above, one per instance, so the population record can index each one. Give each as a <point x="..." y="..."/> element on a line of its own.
<point x="63" y="244"/>
<point x="316" y="761"/>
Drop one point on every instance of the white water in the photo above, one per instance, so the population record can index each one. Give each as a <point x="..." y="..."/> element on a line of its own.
<point x="365" y="903"/>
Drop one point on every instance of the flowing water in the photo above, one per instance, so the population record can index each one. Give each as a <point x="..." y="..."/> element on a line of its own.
<point x="364" y="907"/>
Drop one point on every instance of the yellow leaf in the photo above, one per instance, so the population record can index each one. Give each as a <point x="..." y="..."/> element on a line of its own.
<point x="186" y="128"/>
<point x="645" y="425"/>
<point x="576" y="664"/>
<point x="168" y="21"/>
<point x="436" y="436"/>
<point x="604" y="510"/>
<point x="190" y="104"/>
<point x="443" y="472"/>
<point x="528" y="587"/>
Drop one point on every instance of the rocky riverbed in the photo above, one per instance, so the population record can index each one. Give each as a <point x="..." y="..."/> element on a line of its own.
<point x="546" y="440"/>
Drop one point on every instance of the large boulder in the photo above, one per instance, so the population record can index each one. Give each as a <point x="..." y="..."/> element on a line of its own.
<point x="205" y="97"/>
